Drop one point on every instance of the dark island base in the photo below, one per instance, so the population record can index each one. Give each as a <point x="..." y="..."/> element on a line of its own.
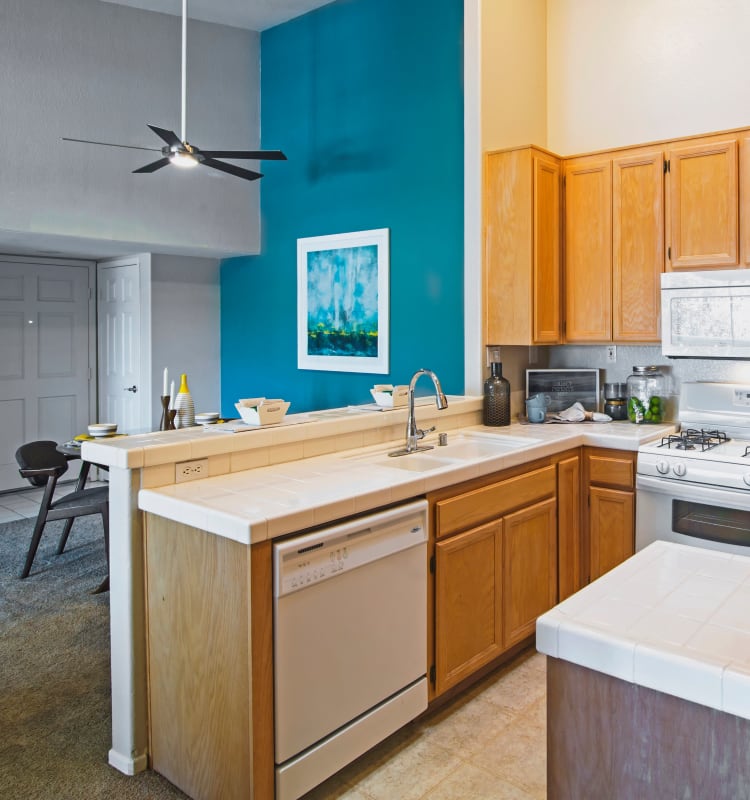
<point x="607" y="738"/>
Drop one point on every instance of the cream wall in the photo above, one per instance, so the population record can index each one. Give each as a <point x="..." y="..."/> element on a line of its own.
<point x="513" y="73"/>
<point x="624" y="73"/>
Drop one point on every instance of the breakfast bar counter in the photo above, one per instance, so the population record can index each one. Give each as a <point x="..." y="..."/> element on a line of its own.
<point x="270" y="482"/>
<point x="649" y="679"/>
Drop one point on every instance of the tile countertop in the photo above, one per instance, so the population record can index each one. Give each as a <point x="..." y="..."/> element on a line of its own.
<point x="671" y="618"/>
<point x="265" y="502"/>
<point x="164" y="447"/>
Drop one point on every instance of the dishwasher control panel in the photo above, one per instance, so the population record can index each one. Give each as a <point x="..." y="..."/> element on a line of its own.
<point x="314" y="557"/>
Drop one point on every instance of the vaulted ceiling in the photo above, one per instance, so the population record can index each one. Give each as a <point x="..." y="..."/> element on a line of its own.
<point x="255" y="15"/>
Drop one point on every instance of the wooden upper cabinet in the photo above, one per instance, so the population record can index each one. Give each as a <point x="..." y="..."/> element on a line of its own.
<point x="588" y="250"/>
<point x="702" y="204"/>
<point x="522" y="247"/>
<point x="637" y="245"/>
<point x="745" y="201"/>
<point x="546" y="232"/>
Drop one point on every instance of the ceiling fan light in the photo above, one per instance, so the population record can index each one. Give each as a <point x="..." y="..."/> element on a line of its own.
<point x="183" y="160"/>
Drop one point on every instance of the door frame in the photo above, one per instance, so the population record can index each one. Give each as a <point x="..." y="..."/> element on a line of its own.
<point x="143" y="262"/>
<point x="92" y="327"/>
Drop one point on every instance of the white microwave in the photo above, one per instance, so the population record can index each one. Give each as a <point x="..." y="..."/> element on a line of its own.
<point x="706" y="314"/>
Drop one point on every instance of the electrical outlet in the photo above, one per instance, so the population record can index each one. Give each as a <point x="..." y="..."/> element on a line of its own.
<point x="191" y="470"/>
<point x="611" y="354"/>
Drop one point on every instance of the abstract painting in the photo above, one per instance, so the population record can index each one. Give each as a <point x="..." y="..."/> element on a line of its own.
<point x="342" y="302"/>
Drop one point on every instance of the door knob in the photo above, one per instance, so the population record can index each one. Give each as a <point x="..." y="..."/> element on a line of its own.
<point x="132" y="388"/>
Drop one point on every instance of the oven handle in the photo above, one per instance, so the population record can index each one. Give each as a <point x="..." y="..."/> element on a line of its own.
<point x="694" y="492"/>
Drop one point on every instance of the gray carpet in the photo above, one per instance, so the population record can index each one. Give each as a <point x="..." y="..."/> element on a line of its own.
<point x="54" y="672"/>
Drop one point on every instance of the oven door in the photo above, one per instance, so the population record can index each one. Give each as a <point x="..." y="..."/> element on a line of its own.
<point x="693" y="514"/>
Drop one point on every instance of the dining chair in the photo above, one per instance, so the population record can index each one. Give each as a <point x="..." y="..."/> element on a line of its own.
<point x="42" y="465"/>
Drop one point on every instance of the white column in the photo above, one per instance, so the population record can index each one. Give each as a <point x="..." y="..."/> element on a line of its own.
<point x="129" y="752"/>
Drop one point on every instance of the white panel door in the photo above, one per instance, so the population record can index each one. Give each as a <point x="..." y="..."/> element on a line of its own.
<point x="44" y="357"/>
<point x="122" y="366"/>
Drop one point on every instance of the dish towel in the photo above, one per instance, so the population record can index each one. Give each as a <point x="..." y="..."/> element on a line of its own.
<point x="577" y="413"/>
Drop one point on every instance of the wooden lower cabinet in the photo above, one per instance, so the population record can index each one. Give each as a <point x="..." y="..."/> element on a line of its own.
<point x="468" y="611"/>
<point x="609" y="480"/>
<point x="210" y="661"/>
<point x="611" y="527"/>
<point x="569" y="556"/>
<point x="495" y="562"/>
<point x="529" y="585"/>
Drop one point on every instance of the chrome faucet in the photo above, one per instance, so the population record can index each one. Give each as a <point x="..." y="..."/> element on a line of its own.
<point x="413" y="433"/>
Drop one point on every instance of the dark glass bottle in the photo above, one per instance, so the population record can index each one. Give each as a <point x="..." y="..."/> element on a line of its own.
<point x="496" y="397"/>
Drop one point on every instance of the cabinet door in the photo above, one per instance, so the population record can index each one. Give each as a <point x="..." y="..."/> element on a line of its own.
<point x="569" y="573"/>
<point x="702" y="196"/>
<point x="588" y="250"/>
<point x="610" y="528"/>
<point x="529" y="585"/>
<point x="745" y="202"/>
<point x="637" y="246"/>
<point x="521" y="195"/>
<point x="546" y="228"/>
<point x="468" y="624"/>
<point x="508" y="241"/>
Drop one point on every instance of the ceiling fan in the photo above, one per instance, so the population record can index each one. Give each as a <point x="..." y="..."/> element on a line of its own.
<point x="179" y="153"/>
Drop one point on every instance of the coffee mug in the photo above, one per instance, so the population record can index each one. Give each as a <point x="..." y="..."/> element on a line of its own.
<point x="535" y="413"/>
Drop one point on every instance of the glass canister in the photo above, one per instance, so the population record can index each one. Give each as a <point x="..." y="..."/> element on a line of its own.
<point x="646" y="395"/>
<point x="496" y="397"/>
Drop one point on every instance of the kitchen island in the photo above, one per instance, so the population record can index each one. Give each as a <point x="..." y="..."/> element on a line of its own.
<point x="648" y="687"/>
<point x="270" y="482"/>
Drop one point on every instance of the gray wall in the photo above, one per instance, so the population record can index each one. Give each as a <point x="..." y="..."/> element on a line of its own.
<point x="185" y="327"/>
<point x="92" y="70"/>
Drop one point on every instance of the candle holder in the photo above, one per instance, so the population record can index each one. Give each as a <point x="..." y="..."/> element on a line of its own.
<point x="167" y="415"/>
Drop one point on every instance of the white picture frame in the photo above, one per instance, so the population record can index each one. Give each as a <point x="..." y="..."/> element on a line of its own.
<point x="343" y="303"/>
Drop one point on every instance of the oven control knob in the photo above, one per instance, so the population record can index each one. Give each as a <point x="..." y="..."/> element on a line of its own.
<point x="679" y="469"/>
<point x="662" y="467"/>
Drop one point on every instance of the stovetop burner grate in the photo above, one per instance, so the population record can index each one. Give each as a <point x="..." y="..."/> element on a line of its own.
<point x="693" y="439"/>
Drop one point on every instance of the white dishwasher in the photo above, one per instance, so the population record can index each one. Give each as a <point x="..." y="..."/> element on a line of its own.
<point x="350" y="641"/>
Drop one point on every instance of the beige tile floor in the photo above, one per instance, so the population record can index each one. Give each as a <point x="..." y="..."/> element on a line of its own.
<point x="488" y="744"/>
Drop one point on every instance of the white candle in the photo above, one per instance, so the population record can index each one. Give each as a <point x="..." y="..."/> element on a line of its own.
<point x="164" y="390"/>
<point x="171" y="395"/>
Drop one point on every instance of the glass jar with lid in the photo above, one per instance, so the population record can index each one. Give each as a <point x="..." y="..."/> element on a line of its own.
<point x="646" y="395"/>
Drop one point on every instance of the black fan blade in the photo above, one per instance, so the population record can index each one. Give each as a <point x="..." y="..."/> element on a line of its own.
<point x="266" y="155"/>
<point x="170" y="137"/>
<point x="240" y="172"/>
<point x="153" y="166"/>
<point x="111" y="144"/>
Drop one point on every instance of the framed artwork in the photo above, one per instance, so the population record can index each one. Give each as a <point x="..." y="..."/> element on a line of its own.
<point x="342" y="302"/>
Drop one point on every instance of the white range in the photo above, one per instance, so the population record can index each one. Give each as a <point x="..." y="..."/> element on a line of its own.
<point x="694" y="487"/>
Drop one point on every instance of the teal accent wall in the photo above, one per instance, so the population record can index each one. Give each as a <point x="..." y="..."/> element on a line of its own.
<point x="365" y="97"/>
